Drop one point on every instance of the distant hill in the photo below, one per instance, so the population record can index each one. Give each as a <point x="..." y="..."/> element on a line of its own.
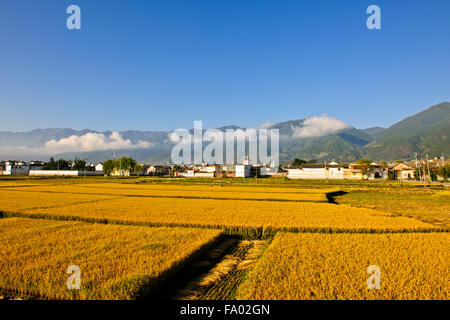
<point x="374" y="130"/>
<point x="321" y="138"/>
<point x="426" y="132"/>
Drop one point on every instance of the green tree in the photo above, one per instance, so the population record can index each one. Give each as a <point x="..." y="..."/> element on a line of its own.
<point x="50" y="165"/>
<point x="445" y="172"/>
<point x="365" y="166"/>
<point x="126" y="163"/>
<point x="138" y="168"/>
<point x="123" y="163"/>
<point x="108" y="166"/>
<point x="298" y="162"/>
<point x="79" y="164"/>
<point x="59" y="164"/>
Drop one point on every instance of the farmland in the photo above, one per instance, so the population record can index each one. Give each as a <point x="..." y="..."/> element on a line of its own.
<point x="235" y="215"/>
<point x="315" y="266"/>
<point x="315" y="227"/>
<point x="117" y="262"/>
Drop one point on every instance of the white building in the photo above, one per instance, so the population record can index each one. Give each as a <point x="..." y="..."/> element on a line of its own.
<point x="99" y="167"/>
<point x="242" y="170"/>
<point x="334" y="170"/>
<point x="207" y="169"/>
<point x="187" y="174"/>
<point x="402" y="171"/>
<point x="317" y="171"/>
<point x="268" y="171"/>
<point x="204" y="174"/>
<point x="16" y="168"/>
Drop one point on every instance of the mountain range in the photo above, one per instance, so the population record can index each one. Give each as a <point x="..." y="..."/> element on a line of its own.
<point x="320" y="137"/>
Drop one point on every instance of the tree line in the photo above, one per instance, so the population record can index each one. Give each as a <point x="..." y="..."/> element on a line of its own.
<point x="61" y="164"/>
<point x="123" y="163"/>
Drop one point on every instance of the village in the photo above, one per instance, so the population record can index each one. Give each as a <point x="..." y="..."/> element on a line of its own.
<point x="431" y="170"/>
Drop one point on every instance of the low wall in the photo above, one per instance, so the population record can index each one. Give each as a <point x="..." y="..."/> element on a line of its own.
<point x="67" y="173"/>
<point x="204" y="174"/>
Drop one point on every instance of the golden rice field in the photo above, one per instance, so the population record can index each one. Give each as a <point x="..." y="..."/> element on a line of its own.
<point x="211" y="188"/>
<point x="334" y="266"/>
<point x="232" y="214"/>
<point x="430" y="205"/>
<point x="128" y="236"/>
<point x="116" y="262"/>
<point x="16" y="201"/>
<point x="166" y="184"/>
<point x="179" y="192"/>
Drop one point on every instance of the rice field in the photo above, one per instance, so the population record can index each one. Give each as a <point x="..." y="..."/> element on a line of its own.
<point x="16" y="201"/>
<point x="180" y="192"/>
<point x="237" y="215"/>
<point x="116" y="262"/>
<point x="334" y="266"/>
<point x="129" y="236"/>
<point x="424" y="204"/>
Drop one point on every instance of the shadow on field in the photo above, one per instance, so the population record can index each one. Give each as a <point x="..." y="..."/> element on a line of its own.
<point x="172" y="287"/>
<point x="332" y="195"/>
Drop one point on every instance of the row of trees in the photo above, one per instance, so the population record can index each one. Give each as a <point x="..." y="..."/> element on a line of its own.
<point x="299" y="162"/>
<point x="61" y="164"/>
<point x="123" y="163"/>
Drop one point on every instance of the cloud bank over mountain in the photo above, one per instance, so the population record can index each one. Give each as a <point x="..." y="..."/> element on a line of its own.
<point x="318" y="137"/>
<point x="92" y="141"/>
<point x="318" y="126"/>
<point x="88" y="142"/>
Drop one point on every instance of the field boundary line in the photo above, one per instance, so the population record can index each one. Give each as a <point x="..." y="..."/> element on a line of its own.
<point x="258" y="232"/>
<point x="219" y="191"/>
<point x="171" y="197"/>
<point x="69" y="204"/>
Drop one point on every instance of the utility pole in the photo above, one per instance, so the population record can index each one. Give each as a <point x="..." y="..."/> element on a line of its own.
<point x="276" y="174"/>
<point x="401" y="177"/>
<point x="429" y="173"/>
<point x="418" y="169"/>
<point x="326" y="174"/>
<point x="442" y="158"/>
<point x="424" y="183"/>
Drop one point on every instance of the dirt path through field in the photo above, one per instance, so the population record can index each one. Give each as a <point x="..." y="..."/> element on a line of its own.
<point x="216" y="274"/>
<point x="221" y="281"/>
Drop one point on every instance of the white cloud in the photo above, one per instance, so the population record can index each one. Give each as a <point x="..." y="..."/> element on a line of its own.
<point x="318" y="126"/>
<point x="174" y="136"/>
<point x="92" y="142"/>
<point x="268" y="124"/>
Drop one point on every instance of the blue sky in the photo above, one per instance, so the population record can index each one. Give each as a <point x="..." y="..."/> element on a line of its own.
<point x="160" y="65"/>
